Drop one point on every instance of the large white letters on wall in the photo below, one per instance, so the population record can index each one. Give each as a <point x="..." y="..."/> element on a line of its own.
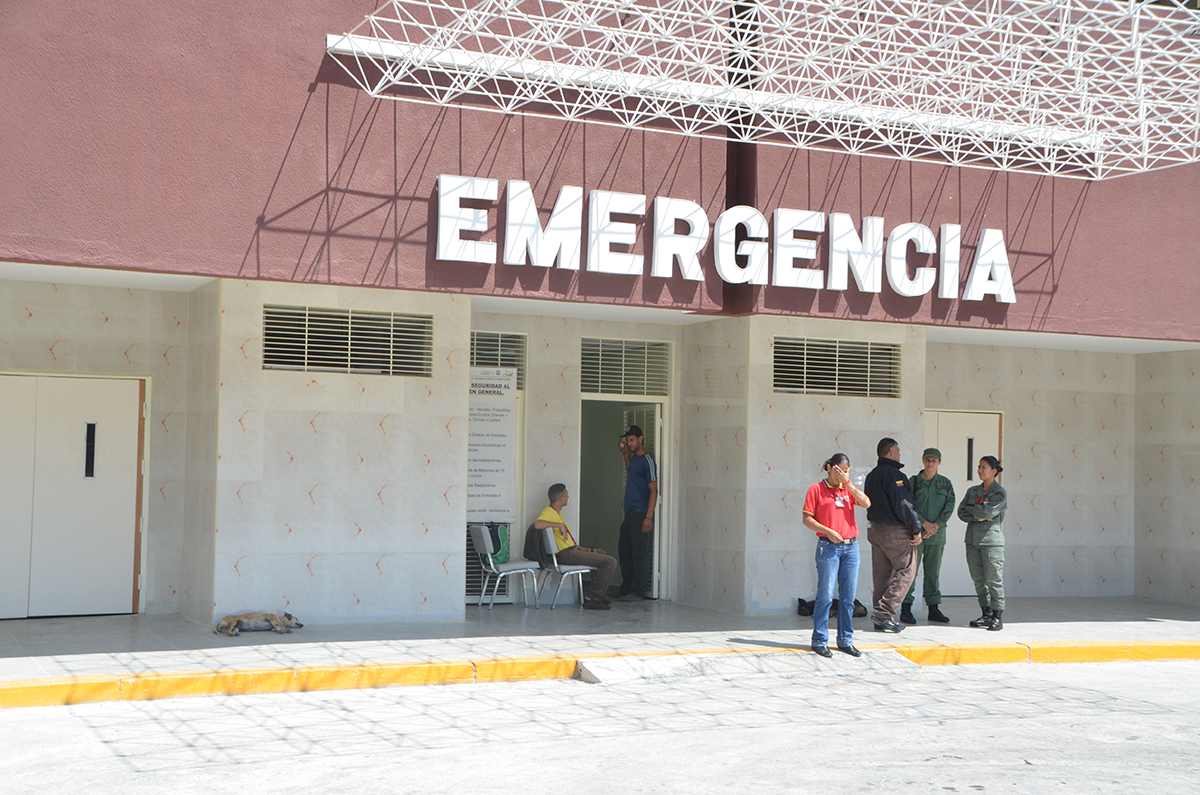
<point x="679" y="231"/>
<point x="454" y="219"/>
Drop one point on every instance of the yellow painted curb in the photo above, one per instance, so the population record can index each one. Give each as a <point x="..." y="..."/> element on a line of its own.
<point x="525" y="669"/>
<point x="1088" y="651"/>
<point x="964" y="653"/>
<point x="172" y="684"/>
<point x="140" y="687"/>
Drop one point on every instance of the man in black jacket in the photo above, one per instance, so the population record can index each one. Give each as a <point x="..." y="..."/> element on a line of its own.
<point x="894" y="533"/>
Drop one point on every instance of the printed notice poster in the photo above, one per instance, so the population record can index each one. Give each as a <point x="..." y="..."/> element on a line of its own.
<point x="491" y="446"/>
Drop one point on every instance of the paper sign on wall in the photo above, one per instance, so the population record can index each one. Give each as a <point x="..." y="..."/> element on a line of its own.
<point x="491" y="446"/>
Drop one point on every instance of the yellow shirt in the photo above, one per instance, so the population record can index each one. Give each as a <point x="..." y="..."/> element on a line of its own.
<point x="563" y="537"/>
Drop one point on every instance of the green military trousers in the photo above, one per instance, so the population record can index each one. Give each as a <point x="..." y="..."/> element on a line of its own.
<point x="986" y="565"/>
<point x="929" y="560"/>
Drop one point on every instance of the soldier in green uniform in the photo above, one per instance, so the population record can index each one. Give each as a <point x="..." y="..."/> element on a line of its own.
<point x="982" y="508"/>
<point x="933" y="497"/>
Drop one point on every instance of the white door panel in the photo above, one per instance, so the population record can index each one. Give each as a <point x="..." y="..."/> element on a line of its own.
<point x="963" y="437"/>
<point x="82" y="557"/>
<point x="18" y="408"/>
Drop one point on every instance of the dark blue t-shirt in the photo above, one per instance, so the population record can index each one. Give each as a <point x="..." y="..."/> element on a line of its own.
<point x="642" y="472"/>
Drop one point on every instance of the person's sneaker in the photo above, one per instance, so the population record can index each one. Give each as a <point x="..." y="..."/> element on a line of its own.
<point x="937" y="616"/>
<point x="630" y="597"/>
<point x="595" y="604"/>
<point x="906" y="616"/>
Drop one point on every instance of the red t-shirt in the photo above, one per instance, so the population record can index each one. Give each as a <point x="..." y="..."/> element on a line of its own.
<point x="832" y="507"/>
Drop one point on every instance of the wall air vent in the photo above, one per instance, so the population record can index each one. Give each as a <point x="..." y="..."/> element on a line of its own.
<point x="500" y="349"/>
<point x="625" y="367"/>
<point x="347" y="341"/>
<point x="837" y="367"/>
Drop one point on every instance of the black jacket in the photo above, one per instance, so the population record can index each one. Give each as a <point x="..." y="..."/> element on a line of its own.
<point x="891" y="499"/>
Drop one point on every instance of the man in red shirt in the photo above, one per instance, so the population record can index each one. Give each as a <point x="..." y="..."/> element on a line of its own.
<point x="829" y="512"/>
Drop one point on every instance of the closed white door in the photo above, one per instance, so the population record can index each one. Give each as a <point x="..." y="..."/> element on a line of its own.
<point x="18" y="405"/>
<point x="963" y="437"/>
<point x="81" y="559"/>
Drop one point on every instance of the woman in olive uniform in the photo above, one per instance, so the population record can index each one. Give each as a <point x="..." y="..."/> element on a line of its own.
<point x="982" y="508"/>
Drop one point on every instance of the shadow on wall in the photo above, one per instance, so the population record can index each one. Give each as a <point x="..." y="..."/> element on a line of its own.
<point x="1043" y="216"/>
<point x="353" y="200"/>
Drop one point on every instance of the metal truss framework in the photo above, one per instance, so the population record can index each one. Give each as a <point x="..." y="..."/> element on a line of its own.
<point x="1079" y="88"/>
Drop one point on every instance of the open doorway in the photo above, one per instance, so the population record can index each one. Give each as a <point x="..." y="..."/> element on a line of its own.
<point x="602" y="475"/>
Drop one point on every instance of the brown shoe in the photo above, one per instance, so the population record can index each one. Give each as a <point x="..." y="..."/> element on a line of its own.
<point x="630" y="597"/>
<point x="595" y="604"/>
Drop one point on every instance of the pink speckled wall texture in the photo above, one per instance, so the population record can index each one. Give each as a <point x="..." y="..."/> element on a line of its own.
<point x="1167" y="473"/>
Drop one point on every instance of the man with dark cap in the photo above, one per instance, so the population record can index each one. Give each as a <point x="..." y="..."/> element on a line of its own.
<point x="641" y="498"/>
<point x="895" y="531"/>
<point x="933" y="497"/>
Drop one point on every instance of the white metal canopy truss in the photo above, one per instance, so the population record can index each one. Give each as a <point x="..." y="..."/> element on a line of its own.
<point x="1079" y="88"/>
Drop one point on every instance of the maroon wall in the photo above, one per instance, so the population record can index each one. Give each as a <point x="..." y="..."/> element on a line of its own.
<point x="218" y="139"/>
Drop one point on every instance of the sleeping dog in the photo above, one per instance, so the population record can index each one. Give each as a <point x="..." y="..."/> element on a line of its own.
<point x="257" y="622"/>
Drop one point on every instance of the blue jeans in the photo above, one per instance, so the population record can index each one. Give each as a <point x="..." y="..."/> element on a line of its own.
<point x="836" y="564"/>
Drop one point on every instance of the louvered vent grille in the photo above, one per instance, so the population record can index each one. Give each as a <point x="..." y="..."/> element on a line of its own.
<point x="837" y="367"/>
<point x="497" y="349"/>
<point x="625" y="367"/>
<point x="347" y="341"/>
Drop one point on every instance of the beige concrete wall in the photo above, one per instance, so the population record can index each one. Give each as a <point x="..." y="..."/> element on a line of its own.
<point x="1167" y="523"/>
<point x="1068" y="451"/>
<point x="64" y="328"/>
<point x="200" y="477"/>
<point x="341" y="497"/>
<point x="713" y="431"/>
<point x="791" y="435"/>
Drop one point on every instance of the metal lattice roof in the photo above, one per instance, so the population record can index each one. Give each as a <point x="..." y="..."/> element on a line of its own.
<point x="1081" y="88"/>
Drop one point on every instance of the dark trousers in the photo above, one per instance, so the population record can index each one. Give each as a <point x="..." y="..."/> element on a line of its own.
<point x="633" y="550"/>
<point x="893" y="565"/>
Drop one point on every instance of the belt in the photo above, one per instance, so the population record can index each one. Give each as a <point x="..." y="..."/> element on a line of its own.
<point x="845" y="542"/>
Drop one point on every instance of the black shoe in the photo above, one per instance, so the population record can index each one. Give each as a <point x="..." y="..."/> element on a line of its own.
<point x="996" y="624"/>
<point x="853" y="652"/>
<point x="906" y="616"/>
<point x="984" y="620"/>
<point x="822" y="651"/>
<point x="883" y="625"/>
<point x="936" y="615"/>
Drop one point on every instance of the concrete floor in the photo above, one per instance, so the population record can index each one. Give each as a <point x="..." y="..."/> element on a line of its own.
<point x="35" y="648"/>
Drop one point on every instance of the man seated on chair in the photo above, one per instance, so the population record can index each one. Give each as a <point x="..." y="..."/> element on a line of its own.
<point x="571" y="554"/>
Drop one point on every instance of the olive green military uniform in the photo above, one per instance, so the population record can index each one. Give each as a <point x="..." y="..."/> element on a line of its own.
<point x="934" y="501"/>
<point x="983" y="511"/>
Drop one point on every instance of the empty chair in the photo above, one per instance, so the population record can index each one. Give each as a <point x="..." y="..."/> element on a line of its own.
<point x="551" y="549"/>
<point x="482" y="539"/>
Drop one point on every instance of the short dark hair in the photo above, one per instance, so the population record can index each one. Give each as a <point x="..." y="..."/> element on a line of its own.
<point x="885" y="446"/>
<point x="556" y="491"/>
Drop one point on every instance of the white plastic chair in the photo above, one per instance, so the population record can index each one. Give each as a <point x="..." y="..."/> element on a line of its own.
<point x="482" y="539"/>
<point x="563" y="572"/>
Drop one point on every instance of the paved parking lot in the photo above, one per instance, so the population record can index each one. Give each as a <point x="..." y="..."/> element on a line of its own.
<point x="759" y="723"/>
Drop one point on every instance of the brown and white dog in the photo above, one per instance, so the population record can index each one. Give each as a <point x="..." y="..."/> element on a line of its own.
<point x="257" y="622"/>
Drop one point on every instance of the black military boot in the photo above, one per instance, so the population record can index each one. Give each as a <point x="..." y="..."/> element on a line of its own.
<point x="984" y="620"/>
<point x="937" y="616"/>
<point x="996" y="624"/>
<point x="906" y="616"/>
